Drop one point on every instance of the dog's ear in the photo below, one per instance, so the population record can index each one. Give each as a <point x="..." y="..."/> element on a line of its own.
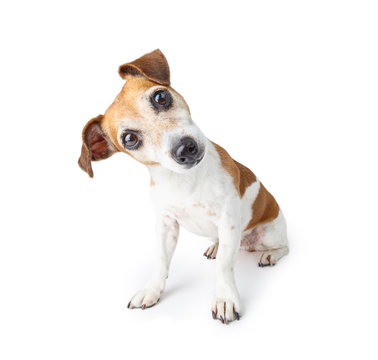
<point x="154" y="66"/>
<point x="96" y="145"/>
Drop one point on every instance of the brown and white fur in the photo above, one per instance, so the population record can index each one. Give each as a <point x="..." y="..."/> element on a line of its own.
<point x="214" y="196"/>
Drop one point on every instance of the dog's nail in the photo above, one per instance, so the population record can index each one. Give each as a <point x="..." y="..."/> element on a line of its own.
<point x="214" y="315"/>
<point x="128" y="305"/>
<point x="237" y="316"/>
<point x="144" y="306"/>
<point x="221" y="319"/>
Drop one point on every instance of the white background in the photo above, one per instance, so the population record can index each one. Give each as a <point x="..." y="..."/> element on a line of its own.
<point x="289" y="88"/>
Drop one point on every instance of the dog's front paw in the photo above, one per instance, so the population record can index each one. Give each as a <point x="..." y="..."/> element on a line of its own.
<point x="226" y="310"/>
<point x="144" y="299"/>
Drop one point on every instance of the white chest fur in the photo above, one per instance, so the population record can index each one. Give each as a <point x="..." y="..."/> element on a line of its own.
<point x="196" y="197"/>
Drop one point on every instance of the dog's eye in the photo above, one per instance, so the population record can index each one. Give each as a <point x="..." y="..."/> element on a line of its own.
<point x="161" y="99"/>
<point x="131" y="139"/>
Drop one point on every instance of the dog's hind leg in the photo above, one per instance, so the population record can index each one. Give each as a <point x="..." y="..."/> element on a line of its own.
<point x="273" y="243"/>
<point x="211" y="252"/>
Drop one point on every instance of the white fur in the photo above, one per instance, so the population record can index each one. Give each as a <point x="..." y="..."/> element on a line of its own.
<point x="204" y="200"/>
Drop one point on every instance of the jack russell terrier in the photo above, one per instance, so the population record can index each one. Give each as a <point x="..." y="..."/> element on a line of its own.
<point x="194" y="182"/>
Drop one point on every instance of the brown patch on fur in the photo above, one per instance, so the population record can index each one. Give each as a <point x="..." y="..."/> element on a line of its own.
<point x="242" y="176"/>
<point x="154" y="66"/>
<point x="152" y="183"/>
<point x="230" y="166"/>
<point x="146" y="162"/>
<point x="247" y="177"/>
<point x="264" y="208"/>
<point x="126" y="106"/>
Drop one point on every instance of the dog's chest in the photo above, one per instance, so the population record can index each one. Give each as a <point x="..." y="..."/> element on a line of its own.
<point x="197" y="217"/>
<point x="197" y="210"/>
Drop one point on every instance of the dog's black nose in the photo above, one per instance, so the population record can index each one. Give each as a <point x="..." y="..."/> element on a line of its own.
<point x="186" y="152"/>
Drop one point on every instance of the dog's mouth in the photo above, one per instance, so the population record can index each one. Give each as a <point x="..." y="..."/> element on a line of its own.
<point x="200" y="159"/>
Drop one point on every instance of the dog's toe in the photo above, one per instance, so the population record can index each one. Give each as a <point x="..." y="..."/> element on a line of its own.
<point x="226" y="310"/>
<point x="270" y="257"/>
<point x="211" y="252"/>
<point x="144" y="299"/>
<point x="267" y="259"/>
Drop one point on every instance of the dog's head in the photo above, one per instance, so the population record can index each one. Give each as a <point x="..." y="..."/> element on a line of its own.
<point x="148" y="120"/>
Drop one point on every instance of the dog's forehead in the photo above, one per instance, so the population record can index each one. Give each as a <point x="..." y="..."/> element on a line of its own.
<point x="127" y="102"/>
<point x="136" y="84"/>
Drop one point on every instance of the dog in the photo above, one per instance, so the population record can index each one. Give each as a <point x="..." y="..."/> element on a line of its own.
<point x="194" y="182"/>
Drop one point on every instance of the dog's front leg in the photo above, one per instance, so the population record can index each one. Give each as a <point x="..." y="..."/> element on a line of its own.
<point x="227" y="304"/>
<point x="167" y="230"/>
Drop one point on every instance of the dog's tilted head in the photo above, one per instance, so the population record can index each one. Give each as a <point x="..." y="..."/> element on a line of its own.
<point x="148" y="120"/>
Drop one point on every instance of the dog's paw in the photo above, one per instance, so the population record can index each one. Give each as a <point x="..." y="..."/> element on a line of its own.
<point x="267" y="259"/>
<point x="270" y="257"/>
<point x="144" y="299"/>
<point x="226" y="310"/>
<point x="211" y="252"/>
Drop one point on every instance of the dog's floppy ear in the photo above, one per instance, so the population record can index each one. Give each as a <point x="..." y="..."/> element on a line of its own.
<point x="96" y="145"/>
<point x="153" y="66"/>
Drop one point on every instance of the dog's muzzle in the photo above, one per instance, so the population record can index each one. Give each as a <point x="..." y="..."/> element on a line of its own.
<point x="187" y="153"/>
